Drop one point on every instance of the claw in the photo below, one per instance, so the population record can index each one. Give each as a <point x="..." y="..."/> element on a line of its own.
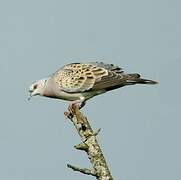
<point x="72" y="108"/>
<point x="68" y="115"/>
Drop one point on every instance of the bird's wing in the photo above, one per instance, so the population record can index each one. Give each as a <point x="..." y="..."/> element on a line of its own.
<point x="79" y="77"/>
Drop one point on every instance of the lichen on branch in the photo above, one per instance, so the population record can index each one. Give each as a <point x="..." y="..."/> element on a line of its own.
<point x="90" y="145"/>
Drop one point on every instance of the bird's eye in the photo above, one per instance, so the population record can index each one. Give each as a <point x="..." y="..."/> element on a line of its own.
<point x="35" y="86"/>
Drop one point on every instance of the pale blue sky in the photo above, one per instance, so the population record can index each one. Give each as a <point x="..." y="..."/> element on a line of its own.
<point x="140" y="125"/>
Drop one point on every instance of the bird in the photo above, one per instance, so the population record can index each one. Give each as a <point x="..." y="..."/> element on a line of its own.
<point x="79" y="82"/>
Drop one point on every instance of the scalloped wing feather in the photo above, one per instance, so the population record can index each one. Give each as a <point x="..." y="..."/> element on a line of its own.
<point x="77" y="77"/>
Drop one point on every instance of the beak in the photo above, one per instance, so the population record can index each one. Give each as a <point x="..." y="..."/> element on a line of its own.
<point x="31" y="95"/>
<point x="29" y="98"/>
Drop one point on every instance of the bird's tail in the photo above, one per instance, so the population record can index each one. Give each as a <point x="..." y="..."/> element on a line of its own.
<point x="135" y="79"/>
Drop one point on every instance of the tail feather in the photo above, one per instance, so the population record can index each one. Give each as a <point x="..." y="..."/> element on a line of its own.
<point x="135" y="79"/>
<point x="146" y="81"/>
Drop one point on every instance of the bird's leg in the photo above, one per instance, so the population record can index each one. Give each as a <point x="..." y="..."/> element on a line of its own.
<point x="73" y="106"/>
<point x="77" y="103"/>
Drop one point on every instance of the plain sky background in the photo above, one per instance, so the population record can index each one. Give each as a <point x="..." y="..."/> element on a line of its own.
<point x="140" y="125"/>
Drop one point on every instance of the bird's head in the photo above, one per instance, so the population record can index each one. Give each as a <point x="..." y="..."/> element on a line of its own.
<point x="37" y="88"/>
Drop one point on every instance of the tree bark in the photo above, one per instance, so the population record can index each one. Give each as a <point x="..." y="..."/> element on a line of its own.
<point x="90" y="145"/>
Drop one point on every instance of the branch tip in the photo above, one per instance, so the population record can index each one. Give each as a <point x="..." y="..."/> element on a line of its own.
<point x="97" y="132"/>
<point x="82" y="146"/>
<point x="82" y="170"/>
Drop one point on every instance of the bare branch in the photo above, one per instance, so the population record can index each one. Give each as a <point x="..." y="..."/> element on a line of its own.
<point x="89" y="145"/>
